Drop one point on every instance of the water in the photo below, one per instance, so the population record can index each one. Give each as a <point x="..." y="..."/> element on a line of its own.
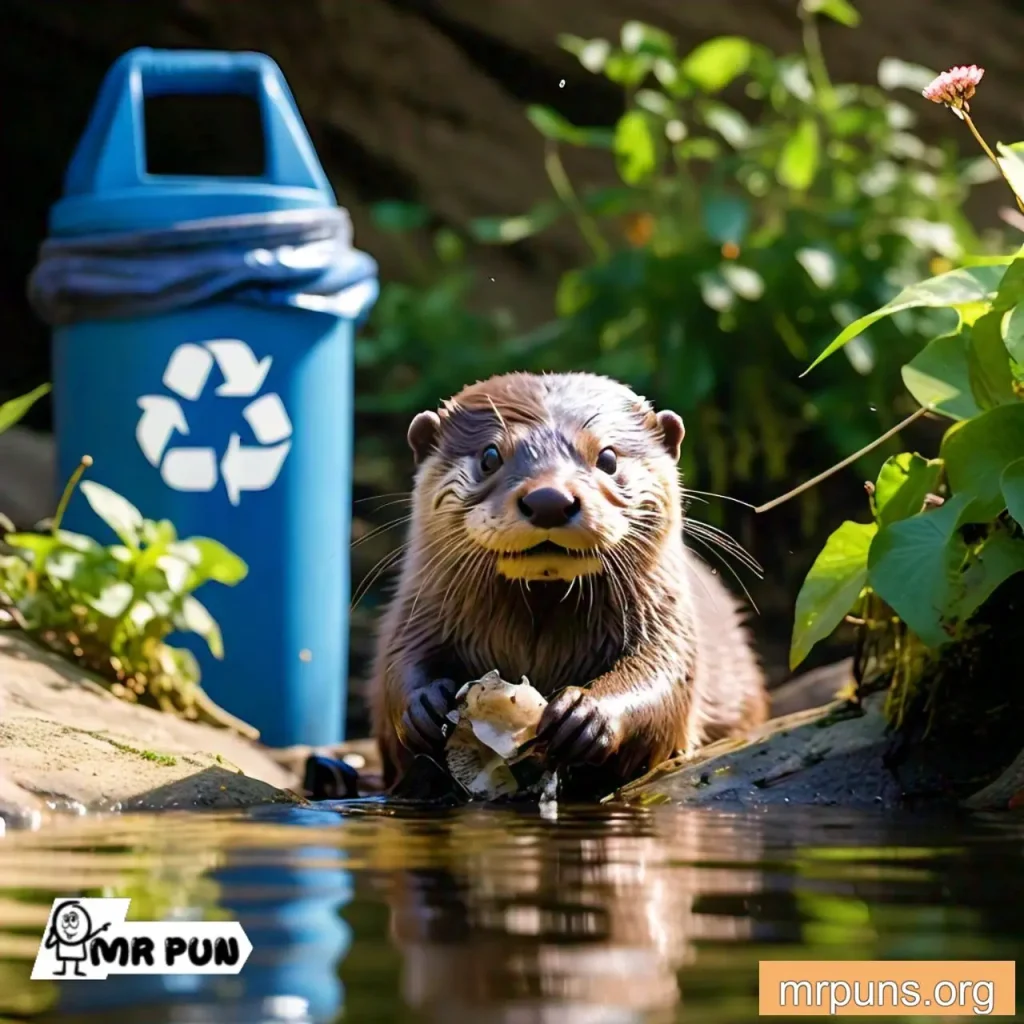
<point x="592" y="915"/>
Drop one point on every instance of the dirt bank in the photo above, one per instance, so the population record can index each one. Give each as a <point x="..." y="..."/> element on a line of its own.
<point x="64" y="740"/>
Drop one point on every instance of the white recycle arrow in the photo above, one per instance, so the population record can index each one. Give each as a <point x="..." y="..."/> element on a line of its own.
<point x="243" y="375"/>
<point x="161" y="416"/>
<point x="253" y="468"/>
<point x="250" y="469"/>
<point x="187" y="370"/>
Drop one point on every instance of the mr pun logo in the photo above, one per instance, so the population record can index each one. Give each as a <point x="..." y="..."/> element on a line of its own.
<point x="89" y="939"/>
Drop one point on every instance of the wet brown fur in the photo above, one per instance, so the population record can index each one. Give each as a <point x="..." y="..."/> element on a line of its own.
<point x="656" y="637"/>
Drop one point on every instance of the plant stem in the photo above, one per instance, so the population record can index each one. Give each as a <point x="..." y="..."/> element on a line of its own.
<point x="988" y="152"/>
<point x="816" y="66"/>
<point x="563" y="189"/>
<point x="808" y="484"/>
<point x="69" y="489"/>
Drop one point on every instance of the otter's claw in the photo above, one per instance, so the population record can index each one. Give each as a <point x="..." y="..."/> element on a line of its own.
<point x="576" y="729"/>
<point x="422" y="722"/>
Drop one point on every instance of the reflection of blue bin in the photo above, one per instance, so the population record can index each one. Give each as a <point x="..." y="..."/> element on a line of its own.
<point x="203" y="358"/>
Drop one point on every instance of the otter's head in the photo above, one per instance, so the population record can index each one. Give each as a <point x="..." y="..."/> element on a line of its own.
<point x="549" y="477"/>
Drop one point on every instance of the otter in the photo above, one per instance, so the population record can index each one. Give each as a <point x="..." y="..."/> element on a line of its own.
<point x="547" y="541"/>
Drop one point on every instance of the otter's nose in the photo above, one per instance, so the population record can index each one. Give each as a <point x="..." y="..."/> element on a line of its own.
<point x="548" y="507"/>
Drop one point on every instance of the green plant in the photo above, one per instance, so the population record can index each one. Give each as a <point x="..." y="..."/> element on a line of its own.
<point x="737" y="240"/>
<point x="13" y="410"/>
<point x="111" y="608"/>
<point x="945" y="532"/>
<point x="423" y="340"/>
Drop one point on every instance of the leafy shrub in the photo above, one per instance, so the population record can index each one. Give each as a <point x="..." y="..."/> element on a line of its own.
<point x="111" y="608"/>
<point x="945" y="532"/>
<point x="424" y="341"/>
<point x="737" y="242"/>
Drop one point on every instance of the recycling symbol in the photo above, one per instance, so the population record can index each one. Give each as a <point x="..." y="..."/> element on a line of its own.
<point x="243" y="468"/>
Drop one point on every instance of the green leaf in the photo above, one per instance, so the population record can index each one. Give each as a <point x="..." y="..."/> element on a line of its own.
<point x="838" y="10"/>
<point x="40" y="544"/>
<point x="1011" y="285"/>
<point x="939" y="377"/>
<point x="591" y="53"/>
<point x="700" y="148"/>
<point x="113" y="600"/>
<point x="977" y="453"/>
<point x="820" y="265"/>
<point x="141" y="614"/>
<point x="655" y="102"/>
<point x="1011" y="483"/>
<point x="638" y="37"/>
<point x="636" y="147"/>
<point x="513" y="229"/>
<point x="913" y="565"/>
<point x="79" y="542"/>
<point x="714" y="64"/>
<point x="197" y="618"/>
<point x="1012" y="330"/>
<point x="745" y="282"/>
<point x="729" y="123"/>
<point x="177" y="572"/>
<point x="553" y="126"/>
<point x="903" y="482"/>
<point x="394" y="215"/>
<point x="990" y="375"/>
<point x="951" y="290"/>
<point x="212" y="560"/>
<point x="628" y="69"/>
<point x="798" y="162"/>
<point x="15" y="409"/>
<point x="117" y="512"/>
<point x="726" y="217"/>
<point x="1013" y="167"/>
<point x="831" y="588"/>
<point x="64" y="565"/>
<point x="573" y="293"/>
<point x="1000" y="557"/>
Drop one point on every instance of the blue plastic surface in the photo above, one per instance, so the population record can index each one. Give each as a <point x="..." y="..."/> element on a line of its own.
<point x="107" y="186"/>
<point x="285" y="627"/>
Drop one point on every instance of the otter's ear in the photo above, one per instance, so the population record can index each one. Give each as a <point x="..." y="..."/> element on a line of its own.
<point x="423" y="434"/>
<point x="672" y="432"/>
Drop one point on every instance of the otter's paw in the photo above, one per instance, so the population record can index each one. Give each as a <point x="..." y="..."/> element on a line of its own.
<point x="577" y="729"/>
<point x="421" y="726"/>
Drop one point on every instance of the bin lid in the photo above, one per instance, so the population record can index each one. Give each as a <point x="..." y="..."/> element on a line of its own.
<point x="107" y="186"/>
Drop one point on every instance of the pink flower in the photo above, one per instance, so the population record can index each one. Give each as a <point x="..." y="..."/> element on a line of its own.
<point x="955" y="86"/>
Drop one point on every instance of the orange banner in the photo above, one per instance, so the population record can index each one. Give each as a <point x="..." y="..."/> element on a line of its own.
<point x="880" y="988"/>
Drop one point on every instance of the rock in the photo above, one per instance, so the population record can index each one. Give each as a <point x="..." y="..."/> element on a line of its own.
<point x="812" y="689"/>
<point x="829" y="755"/>
<point x="28" y="487"/>
<point x="66" y="741"/>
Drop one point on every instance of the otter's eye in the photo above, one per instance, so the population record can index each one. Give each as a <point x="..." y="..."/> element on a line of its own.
<point x="607" y="462"/>
<point x="490" y="461"/>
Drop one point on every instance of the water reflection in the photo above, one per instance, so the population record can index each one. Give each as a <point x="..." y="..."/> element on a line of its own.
<point x="562" y="923"/>
<point x="593" y="915"/>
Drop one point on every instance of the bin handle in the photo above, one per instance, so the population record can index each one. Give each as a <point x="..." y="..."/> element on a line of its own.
<point x="111" y="153"/>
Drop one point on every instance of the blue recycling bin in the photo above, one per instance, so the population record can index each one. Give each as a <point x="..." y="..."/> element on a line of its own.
<point x="211" y="381"/>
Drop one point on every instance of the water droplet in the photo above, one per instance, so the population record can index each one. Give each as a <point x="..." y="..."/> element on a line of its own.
<point x="714" y="572"/>
<point x="561" y="84"/>
<point x="873" y="408"/>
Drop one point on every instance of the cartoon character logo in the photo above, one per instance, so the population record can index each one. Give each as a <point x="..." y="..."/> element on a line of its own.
<point x="71" y="932"/>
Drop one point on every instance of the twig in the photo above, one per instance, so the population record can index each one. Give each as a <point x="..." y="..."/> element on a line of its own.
<point x="808" y="484"/>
